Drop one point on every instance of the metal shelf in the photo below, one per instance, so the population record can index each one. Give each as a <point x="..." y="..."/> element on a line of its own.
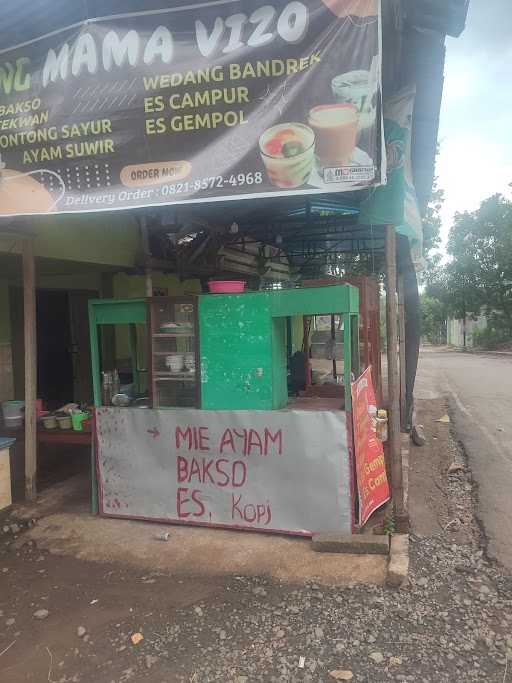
<point x="162" y="377"/>
<point x="173" y="388"/>
<point x="162" y="335"/>
<point x="171" y="353"/>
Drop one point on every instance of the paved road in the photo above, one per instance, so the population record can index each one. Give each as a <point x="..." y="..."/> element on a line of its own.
<point x="479" y="388"/>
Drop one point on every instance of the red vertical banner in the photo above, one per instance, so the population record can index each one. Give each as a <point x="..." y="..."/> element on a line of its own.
<point x="372" y="482"/>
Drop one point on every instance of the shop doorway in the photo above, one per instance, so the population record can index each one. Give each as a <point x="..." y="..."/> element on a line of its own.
<point x="63" y="376"/>
<point x="55" y="382"/>
<point x="63" y="345"/>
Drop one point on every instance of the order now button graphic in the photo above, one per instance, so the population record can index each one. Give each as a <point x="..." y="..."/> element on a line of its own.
<point x="140" y="175"/>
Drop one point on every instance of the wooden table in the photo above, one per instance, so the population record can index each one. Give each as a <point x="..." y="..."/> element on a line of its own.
<point x="63" y="436"/>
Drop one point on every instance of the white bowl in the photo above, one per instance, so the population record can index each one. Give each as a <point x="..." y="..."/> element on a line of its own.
<point x="175" y="363"/>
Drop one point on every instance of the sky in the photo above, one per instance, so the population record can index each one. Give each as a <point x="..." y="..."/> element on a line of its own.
<point x="475" y="135"/>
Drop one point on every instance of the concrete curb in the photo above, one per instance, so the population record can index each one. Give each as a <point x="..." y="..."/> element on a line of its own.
<point x="398" y="567"/>
<point x="481" y="352"/>
<point x="357" y="544"/>
<point x="492" y="353"/>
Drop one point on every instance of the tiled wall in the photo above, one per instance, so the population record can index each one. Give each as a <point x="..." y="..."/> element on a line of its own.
<point x="6" y="377"/>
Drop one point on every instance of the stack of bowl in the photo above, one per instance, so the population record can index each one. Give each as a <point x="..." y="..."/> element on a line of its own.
<point x="174" y="362"/>
<point x="190" y="362"/>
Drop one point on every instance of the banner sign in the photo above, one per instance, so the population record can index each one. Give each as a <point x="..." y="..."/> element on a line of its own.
<point x="193" y="102"/>
<point x="285" y="471"/>
<point x="372" y="482"/>
<point x="396" y="203"/>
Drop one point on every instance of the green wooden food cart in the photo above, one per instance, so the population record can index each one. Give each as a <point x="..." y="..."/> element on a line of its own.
<point x="201" y="365"/>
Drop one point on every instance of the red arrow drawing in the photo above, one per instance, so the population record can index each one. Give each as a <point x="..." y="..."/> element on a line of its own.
<point x="154" y="432"/>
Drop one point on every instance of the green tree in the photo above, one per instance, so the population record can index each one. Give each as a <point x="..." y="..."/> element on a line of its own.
<point x="480" y="273"/>
<point x="433" y="319"/>
<point x="432" y="221"/>
<point x="434" y="277"/>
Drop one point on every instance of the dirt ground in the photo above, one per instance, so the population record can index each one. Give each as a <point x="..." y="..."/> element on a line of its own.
<point x="65" y="617"/>
<point x="432" y="505"/>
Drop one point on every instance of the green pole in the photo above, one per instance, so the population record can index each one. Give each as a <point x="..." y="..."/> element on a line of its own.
<point x="347" y="359"/>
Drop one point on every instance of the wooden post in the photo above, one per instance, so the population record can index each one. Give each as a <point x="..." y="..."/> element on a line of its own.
<point x="96" y="387"/>
<point x="401" y="336"/>
<point x="144" y="233"/>
<point x="149" y="283"/>
<point x="29" y="301"/>
<point x="393" y="373"/>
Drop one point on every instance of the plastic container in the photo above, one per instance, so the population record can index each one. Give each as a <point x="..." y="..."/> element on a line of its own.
<point x="77" y="420"/>
<point x="382" y="425"/>
<point x="360" y="89"/>
<point x="13" y="422"/>
<point x="65" y="422"/>
<point x="50" y="422"/>
<point x="121" y="400"/>
<point x="12" y="409"/>
<point x="226" y="286"/>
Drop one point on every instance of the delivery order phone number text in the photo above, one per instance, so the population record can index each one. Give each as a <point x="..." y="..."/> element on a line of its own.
<point x="234" y="180"/>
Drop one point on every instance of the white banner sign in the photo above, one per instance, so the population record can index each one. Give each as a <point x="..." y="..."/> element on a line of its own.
<point x="284" y="471"/>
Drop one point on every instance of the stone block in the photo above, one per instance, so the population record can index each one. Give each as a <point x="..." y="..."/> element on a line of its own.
<point x="398" y="567"/>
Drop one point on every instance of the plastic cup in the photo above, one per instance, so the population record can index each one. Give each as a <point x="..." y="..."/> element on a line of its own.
<point x="335" y="127"/>
<point x="287" y="151"/>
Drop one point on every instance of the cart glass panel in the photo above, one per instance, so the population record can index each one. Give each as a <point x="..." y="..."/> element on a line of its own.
<point x="174" y="362"/>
